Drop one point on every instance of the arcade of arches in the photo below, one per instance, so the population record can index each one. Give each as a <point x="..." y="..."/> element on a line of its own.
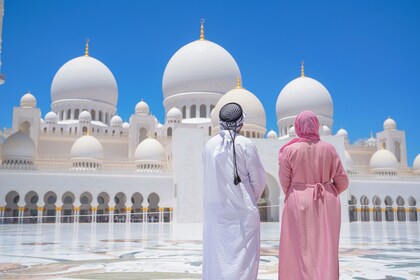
<point x="376" y="210"/>
<point x="30" y="208"/>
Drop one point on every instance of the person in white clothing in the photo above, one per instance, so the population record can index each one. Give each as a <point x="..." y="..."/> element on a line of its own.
<point x="234" y="179"/>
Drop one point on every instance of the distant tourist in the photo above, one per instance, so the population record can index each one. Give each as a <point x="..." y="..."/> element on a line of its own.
<point x="312" y="177"/>
<point x="234" y="180"/>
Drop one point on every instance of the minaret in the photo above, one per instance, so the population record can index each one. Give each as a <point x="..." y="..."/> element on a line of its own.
<point x="2" y="77"/>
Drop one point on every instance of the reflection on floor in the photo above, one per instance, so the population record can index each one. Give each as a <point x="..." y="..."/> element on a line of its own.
<point x="173" y="251"/>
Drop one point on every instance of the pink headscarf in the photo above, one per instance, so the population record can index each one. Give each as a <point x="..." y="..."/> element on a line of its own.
<point x="306" y="127"/>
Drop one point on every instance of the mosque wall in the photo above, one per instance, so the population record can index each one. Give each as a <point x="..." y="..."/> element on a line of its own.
<point x="188" y="173"/>
<point x="94" y="183"/>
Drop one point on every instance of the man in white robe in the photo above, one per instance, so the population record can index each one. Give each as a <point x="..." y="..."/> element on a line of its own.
<point x="234" y="180"/>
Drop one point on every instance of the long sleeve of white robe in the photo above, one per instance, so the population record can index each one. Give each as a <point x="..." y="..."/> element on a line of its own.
<point x="231" y="237"/>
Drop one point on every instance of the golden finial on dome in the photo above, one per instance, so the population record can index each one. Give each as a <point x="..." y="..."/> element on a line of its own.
<point x="87" y="47"/>
<point x="202" y="29"/>
<point x="302" y="68"/>
<point x="239" y="82"/>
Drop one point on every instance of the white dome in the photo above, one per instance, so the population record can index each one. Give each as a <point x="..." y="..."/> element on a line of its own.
<point x="85" y="116"/>
<point x="348" y="160"/>
<point x="150" y="150"/>
<point x="292" y="132"/>
<point x="390" y="124"/>
<point x="342" y="132"/>
<point x="85" y="78"/>
<point x="51" y="118"/>
<point x="18" y="146"/>
<point x="326" y="130"/>
<point x="87" y="147"/>
<point x="251" y="105"/>
<point x="174" y="114"/>
<point x="383" y="160"/>
<point x="272" y="134"/>
<point x="28" y="101"/>
<point x="116" y="121"/>
<point x="301" y="94"/>
<point x="371" y="142"/>
<point x="200" y="66"/>
<point x="142" y="108"/>
<point x="416" y="164"/>
<point x="125" y="125"/>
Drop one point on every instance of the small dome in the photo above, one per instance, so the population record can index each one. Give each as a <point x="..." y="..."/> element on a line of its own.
<point x="342" y="132"/>
<point x="142" y="108"/>
<point x="51" y="118"/>
<point x="174" y="114"/>
<point x="292" y="132"/>
<point x="371" y="142"/>
<point x="87" y="147"/>
<point x="326" y="130"/>
<point x="116" y="121"/>
<point x="251" y="105"/>
<point x="125" y="125"/>
<point x="150" y="150"/>
<point x="18" y="146"/>
<point x="383" y="160"/>
<point x="416" y="164"/>
<point x="272" y="134"/>
<point x="85" y="117"/>
<point x="348" y="160"/>
<point x="28" y="101"/>
<point x="390" y="124"/>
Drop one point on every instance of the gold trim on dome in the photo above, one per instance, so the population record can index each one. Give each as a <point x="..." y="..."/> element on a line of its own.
<point x="202" y="29"/>
<point x="302" y="68"/>
<point x="87" y="47"/>
<point x="239" y="82"/>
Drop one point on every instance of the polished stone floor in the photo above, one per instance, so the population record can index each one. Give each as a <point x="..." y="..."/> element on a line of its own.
<point x="388" y="250"/>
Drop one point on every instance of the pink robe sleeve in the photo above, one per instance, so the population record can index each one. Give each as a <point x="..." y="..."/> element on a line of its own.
<point x="285" y="171"/>
<point x="339" y="174"/>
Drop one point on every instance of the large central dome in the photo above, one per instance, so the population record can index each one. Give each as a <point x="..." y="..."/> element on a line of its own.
<point x="84" y="78"/>
<point x="200" y="66"/>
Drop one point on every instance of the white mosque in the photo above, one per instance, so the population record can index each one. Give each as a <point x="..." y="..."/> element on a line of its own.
<point x="81" y="162"/>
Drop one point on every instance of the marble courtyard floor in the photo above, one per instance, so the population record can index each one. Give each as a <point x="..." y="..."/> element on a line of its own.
<point x="387" y="250"/>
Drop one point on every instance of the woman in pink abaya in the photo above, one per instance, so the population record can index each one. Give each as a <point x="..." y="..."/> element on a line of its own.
<point x="312" y="177"/>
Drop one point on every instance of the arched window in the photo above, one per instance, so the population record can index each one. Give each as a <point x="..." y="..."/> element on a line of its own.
<point x="352" y="209"/>
<point x="253" y="134"/>
<point x="364" y="214"/>
<point x="68" y="114"/>
<point x="93" y="114"/>
<point x="184" y="112"/>
<point x="389" y="212"/>
<point x="45" y="130"/>
<point x="142" y="134"/>
<point x="397" y="150"/>
<point x="377" y="211"/>
<point x="169" y="132"/>
<point x="401" y="209"/>
<point x="76" y="114"/>
<point x="412" y="212"/>
<point x="247" y="134"/>
<point x="84" y="130"/>
<point x="202" y="111"/>
<point x="193" y="111"/>
<point x="100" y="116"/>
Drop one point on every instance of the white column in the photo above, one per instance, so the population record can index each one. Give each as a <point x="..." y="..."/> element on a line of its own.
<point x="58" y="214"/>
<point x="128" y="214"/>
<point x="111" y="214"/>
<point x="76" y="213"/>
<point x="20" y="215"/>
<point x="145" y="220"/>
<point x="161" y="214"/>
<point x="40" y="213"/>
<point x="2" y="214"/>
<point x="94" y="213"/>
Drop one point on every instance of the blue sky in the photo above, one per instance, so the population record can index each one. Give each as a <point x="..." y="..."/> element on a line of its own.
<point x="366" y="53"/>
